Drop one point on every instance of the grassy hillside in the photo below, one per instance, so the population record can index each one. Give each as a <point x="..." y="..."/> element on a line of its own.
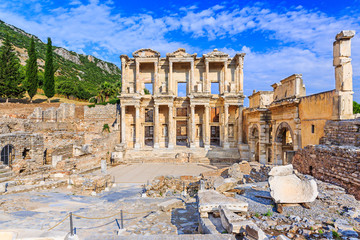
<point x="83" y="71"/>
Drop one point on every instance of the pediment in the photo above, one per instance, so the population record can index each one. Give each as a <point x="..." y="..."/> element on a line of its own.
<point x="146" y="53"/>
<point x="180" y="53"/>
<point x="216" y="54"/>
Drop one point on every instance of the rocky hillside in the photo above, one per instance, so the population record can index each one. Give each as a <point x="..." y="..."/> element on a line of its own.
<point x="87" y="69"/>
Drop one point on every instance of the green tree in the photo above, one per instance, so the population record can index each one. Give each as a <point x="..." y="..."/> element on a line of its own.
<point x="32" y="80"/>
<point x="49" y="82"/>
<point x="66" y="87"/>
<point x="106" y="90"/>
<point x="356" y="107"/>
<point x="10" y="76"/>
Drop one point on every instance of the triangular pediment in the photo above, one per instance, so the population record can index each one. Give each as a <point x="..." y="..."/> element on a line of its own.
<point x="146" y="53"/>
<point x="180" y="53"/>
<point x="216" y="54"/>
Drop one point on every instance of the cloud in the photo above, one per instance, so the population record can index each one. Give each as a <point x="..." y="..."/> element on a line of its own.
<point x="300" y="40"/>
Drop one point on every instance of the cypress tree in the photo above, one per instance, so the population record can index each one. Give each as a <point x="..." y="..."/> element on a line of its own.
<point x="10" y="76"/>
<point x="49" y="83"/>
<point x="32" y="80"/>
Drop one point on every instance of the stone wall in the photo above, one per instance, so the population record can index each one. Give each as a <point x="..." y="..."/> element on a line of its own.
<point x="337" y="159"/>
<point x="334" y="164"/>
<point x="65" y="112"/>
<point x="100" y="111"/>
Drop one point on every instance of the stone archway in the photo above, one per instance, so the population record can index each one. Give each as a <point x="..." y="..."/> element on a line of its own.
<point x="7" y="154"/>
<point x="284" y="144"/>
<point x="254" y="138"/>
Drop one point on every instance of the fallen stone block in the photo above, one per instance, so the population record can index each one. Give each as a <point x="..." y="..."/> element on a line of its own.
<point x="210" y="200"/>
<point x="282" y="237"/>
<point x="224" y="184"/>
<point x="170" y="204"/>
<point x="282" y="170"/>
<point x="232" y="222"/>
<point x="237" y="170"/>
<point x="255" y="232"/>
<point x="291" y="189"/>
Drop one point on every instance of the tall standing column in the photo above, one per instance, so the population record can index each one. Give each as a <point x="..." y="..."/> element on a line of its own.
<point x="137" y="77"/>
<point x="170" y="81"/>
<point x="240" y="133"/>
<point x="156" y="127"/>
<point x="123" y="124"/>
<point x="171" y="129"/>
<point x="137" y="127"/>
<point x="156" y="83"/>
<point x="207" y="84"/>
<point x="192" y="132"/>
<point x="192" y="79"/>
<point x="207" y="127"/>
<point x="225" y="82"/>
<point x="124" y="76"/>
<point x="226" y="126"/>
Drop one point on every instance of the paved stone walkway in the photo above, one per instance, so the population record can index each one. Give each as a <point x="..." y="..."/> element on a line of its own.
<point x="141" y="173"/>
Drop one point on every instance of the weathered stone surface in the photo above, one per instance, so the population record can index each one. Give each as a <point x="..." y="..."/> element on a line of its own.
<point x="255" y="232"/>
<point x="238" y="170"/>
<point x="291" y="189"/>
<point x="232" y="222"/>
<point x="210" y="200"/>
<point x="282" y="170"/>
<point x="170" y="204"/>
<point x="222" y="185"/>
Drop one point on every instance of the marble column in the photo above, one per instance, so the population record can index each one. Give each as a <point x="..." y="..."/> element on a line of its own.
<point x="123" y="124"/>
<point x="192" y="132"/>
<point x="170" y="80"/>
<point x="156" y="82"/>
<point x="225" y="84"/>
<point x="207" y="84"/>
<point x="240" y="129"/>
<point x="137" y="127"/>
<point x="171" y="128"/>
<point x="123" y="76"/>
<point x="207" y="127"/>
<point x="226" y="126"/>
<point x="156" y="126"/>
<point x="137" y="77"/>
<point x="192" y="79"/>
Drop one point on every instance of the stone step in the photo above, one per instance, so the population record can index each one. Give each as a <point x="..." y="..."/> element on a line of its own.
<point x="5" y="174"/>
<point x="5" y="179"/>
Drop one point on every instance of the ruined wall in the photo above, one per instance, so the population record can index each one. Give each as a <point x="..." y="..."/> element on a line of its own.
<point x="314" y="111"/>
<point x="64" y="112"/>
<point x="289" y="87"/>
<point x="34" y="143"/>
<point x="100" y="112"/>
<point x="334" y="164"/>
<point x="337" y="160"/>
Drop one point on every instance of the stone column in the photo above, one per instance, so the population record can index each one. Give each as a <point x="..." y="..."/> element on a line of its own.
<point x="226" y="126"/>
<point x="137" y="77"/>
<point x="207" y="84"/>
<point x="123" y="76"/>
<point x="225" y="84"/>
<point x="123" y="124"/>
<point x="240" y="133"/>
<point x="171" y="128"/>
<point x="192" y="131"/>
<point x="192" y="79"/>
<point x="156" y="83"/>
<point x="262" y="143"/>
<point x="207" y="127"/>
<point x="241" y="75"/>
<point x="156" y="126"/>
<point x="170" y="81"/>
<point x="137" y="127"/>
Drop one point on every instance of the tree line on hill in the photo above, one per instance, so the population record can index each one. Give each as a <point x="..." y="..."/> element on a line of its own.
<point x="15" y="79"/>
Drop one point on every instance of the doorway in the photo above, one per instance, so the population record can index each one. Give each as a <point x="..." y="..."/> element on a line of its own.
<point x="7" y="154"/>
<point x="215" y="136"/>
<point x="149" y="136"/>
<point x="181" y="133"/>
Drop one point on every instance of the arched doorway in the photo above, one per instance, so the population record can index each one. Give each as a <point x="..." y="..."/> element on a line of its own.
<point x="7" y="154"/>
<point x="254" y="143"/>
<point x="285" y="143"/>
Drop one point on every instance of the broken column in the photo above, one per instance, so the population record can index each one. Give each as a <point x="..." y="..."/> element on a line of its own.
<point x="286" y="187"/>
<point x="343" y="74"/>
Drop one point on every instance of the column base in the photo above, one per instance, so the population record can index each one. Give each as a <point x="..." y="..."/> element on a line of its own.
<point x="226" y="145"/>
<point x="192" y="145"/>
<point x="137" y="146"/>
<point x="156" y="145"/>
<point x="170" y="146"/>
<point x="207" y="146"/>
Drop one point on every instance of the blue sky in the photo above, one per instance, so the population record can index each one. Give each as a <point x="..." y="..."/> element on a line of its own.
<point x="279" y="38"/>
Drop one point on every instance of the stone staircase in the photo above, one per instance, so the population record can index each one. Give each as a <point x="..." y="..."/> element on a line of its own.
<point x="5" y="173"/>
<point x="215" y="155"/>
